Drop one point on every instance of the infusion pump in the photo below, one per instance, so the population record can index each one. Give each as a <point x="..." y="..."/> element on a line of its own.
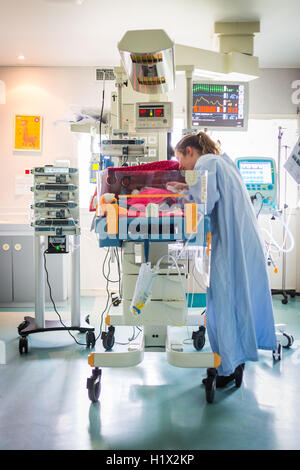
<point x="154" y="116"/>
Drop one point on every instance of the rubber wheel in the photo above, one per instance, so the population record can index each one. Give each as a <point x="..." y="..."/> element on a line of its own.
<point x="199" y="338"/>
<point x="277" y="354"/>
<point x="22" y="326"/>
<point x="293" y="294"/>
<point x="108" y="342"/>
<point x="87" y="319"/>
<point x="94" y="390"/>
<point x="90" y="339"/>
<point x="23" y="345"/>
<point x="210" y="385"/>
<point x="284" y="301"/>
<point x="199" y="342"/>
<point x="290" y="340"/>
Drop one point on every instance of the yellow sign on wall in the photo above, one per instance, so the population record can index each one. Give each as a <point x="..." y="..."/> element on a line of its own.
<point x="28" y="133"/>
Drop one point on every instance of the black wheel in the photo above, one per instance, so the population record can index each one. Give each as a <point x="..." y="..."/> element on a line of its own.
<point x="87" y="319"/>
<point x="284" y="301"/>
<point x="290" y="340"/>
<point x="94" y="385"/>
<point x="108" y="338"/>
<point x="22" y="326"/>
<point x="199" y="338"/>
<point x="210" y="385"/>
<point x="108" y="342"/>
<point x="23" y="345"/>
<point x="293" y="294"/>
<point x="90" y="339"/>
<point x="94" y="390"/>
<point x="277" y="354"/>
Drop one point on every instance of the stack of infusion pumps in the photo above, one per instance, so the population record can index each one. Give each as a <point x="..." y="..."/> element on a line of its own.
<point x="56" y="204"/>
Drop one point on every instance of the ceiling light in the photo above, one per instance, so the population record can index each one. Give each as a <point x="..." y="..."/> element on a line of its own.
<point x="21" y="57"/>
<point x="76" y="2"/>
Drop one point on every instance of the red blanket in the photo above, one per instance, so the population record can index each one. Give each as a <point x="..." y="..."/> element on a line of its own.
<point x="153" y="167"/>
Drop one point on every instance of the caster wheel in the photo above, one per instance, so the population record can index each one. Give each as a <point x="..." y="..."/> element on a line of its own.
<point x="284" y="301"/>
<point x="290" y="340"/>
<point x="293" y="294"/>
<point x="277" y="354"/>
<point x="94" y="386"/>
<point x="90" y="339"/>
<point x="108" y="339"/>
<point x="198" y="338"/>
<point x="210" y="385"/>
<point x="23" y="345"/>
<point x="87" y="319"/>
<point x="22" y="326"/>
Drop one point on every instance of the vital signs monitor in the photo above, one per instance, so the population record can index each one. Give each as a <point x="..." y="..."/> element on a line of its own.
<point x="220" y="106"/>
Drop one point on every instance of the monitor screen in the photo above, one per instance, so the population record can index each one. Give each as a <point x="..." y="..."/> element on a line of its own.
<point x="256" y="172"/>
<point x="219" y="105"/>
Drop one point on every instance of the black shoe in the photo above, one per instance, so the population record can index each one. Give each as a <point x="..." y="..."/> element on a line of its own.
<point x="238" y="375"/>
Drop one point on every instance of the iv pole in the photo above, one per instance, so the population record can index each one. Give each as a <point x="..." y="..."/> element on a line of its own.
<point x="283" y="291"/>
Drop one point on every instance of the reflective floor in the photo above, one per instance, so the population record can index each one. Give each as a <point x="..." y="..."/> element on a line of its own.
<point x="44" y="402"/>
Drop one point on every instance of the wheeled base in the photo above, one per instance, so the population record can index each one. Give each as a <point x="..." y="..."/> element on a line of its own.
<point x="284" y="340"/>
<point x="284" y="293"/>
<point x="134" y="355"/>
<point x="29" y="326"/>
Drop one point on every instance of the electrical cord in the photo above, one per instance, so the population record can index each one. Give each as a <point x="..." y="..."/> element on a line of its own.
<point x="101" y="114"/>
<point x="53" y="303"/>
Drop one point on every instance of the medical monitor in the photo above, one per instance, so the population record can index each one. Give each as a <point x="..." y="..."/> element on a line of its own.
<point x="220" y="105"/>
<point x="259" y="172"/>
<point x="259" y="176"/>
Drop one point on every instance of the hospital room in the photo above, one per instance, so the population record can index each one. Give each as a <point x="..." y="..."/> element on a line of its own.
<point x="150" y="228"/>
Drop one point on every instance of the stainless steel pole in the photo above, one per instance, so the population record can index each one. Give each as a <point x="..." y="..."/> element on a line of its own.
<point x="39" y="282"/>
<point x="75" y="288"/>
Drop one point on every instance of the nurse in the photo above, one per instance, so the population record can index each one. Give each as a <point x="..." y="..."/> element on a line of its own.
<point x="239" y="307"/>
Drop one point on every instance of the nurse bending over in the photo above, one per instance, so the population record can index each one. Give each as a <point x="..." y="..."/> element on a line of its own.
<point x="239" y="307"/>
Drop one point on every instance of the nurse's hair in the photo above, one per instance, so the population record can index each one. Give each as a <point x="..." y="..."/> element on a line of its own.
<point x="201" y="142"/>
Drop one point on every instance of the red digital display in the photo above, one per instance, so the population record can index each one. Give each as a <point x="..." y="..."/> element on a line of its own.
<point x="151" y="112"/>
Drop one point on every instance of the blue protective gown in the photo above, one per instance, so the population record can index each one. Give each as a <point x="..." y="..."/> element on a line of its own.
<point x="239" y="307"/>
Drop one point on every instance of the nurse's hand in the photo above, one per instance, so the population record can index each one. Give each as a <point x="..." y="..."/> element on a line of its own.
<point x="175" y="185"/>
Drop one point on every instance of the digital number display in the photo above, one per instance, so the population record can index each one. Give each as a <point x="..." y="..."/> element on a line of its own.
<point x="151" y="112"/>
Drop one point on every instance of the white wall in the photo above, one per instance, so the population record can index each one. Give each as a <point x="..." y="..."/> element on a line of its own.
<point x="48" y="91"/>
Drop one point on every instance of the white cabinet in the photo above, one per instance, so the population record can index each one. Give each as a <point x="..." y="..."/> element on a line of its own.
<point x="17" y="268"/>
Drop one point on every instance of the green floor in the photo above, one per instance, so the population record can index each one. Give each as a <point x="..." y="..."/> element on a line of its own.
<point x="44" y="403"/>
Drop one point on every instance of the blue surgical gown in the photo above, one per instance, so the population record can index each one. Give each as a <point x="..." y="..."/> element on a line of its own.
<point x="239" y="306"/>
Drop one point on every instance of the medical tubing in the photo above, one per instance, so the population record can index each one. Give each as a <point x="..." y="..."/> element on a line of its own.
<point x="179" y="273"/>
<point x="288" y="232"/>
<point x="188" y="240"/>
<point x="53" y="303"/>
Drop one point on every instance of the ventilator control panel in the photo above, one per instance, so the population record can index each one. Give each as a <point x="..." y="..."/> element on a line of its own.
<point x="259" y="175"/>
